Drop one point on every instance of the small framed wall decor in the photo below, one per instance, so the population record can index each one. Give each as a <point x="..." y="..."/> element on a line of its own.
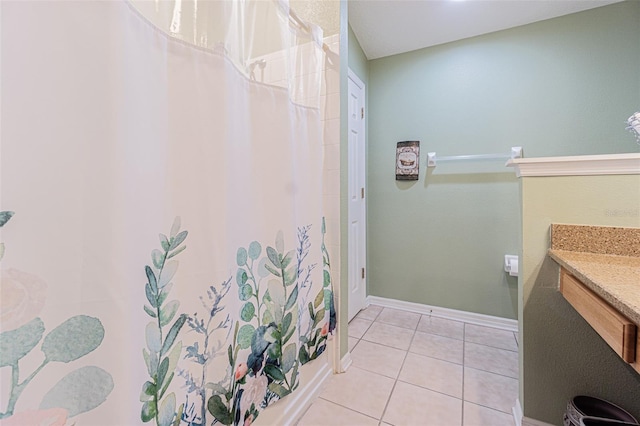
<point x="407" y="160"/>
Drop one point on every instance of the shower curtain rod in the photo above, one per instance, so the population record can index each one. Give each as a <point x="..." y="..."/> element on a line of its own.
<point x="295" y="20"/>
<point x="516" y="152"/>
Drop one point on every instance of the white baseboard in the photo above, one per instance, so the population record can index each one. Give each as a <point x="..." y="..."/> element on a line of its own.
<point x="521" y="420"/>
<point x="345" y="362"/>
<point x="533" y="422"/>
<point x="290" y="409"/>
<point x="452" y="314"/>
<point x="517" y="413"/>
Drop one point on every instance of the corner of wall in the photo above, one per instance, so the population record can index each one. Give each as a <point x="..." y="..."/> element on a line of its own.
<point x="344" y="67"/>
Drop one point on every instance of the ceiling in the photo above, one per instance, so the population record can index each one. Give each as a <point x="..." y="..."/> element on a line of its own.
<point x="389" y="27"/>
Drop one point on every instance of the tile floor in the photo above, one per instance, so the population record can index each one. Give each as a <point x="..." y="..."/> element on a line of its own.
<point x="411" y="369"/>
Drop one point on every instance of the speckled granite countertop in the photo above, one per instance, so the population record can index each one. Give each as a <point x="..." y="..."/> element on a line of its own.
<point x="596" y="239"/>
<point x="614" y="278"/>
<point x="605" y="259"/>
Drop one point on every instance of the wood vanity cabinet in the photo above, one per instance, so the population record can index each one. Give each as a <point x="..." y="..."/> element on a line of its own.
<point x="616" y="329"/>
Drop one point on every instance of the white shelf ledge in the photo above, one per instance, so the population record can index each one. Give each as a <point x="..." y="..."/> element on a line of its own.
<point x="580" y="165"/>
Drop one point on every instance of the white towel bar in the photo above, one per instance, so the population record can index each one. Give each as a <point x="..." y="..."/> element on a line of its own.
<point x="516" y="152"/>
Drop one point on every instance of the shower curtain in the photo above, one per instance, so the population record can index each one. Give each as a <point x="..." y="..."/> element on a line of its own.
<point x="163" y="255"/>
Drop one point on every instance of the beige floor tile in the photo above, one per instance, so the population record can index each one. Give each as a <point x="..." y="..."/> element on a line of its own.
<point x="357" y="327"/>
<point x="378" y="358"/>
<point x="442" y="327"/>
<point x="399" y="318"/>
<point x="490" y="390"/>
<point x="440" y="376"/>
<point x="488" y="336"/>
<point x="389" y="335"/>
<point x="347" y="390"/>
<point x="436" y="346"/>
<point x="430" y="388"/>
<point x="499" y="361"/>
<point x="476" y="415"/>
<point x="353" y="342"/>
<point x="325" y="413"/>
<point x="413" y="405"/>
<point x="370" y="312"/>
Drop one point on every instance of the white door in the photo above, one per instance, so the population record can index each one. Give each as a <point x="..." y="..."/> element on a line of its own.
<point x="357" y="211"/>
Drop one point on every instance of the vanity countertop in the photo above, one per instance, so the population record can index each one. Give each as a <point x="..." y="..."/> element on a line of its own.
<point x="606" y="259"/>
<point x="615" y="278"/>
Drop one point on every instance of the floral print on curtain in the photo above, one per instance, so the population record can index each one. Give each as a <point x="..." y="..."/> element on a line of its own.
<point x="115" y="127"/>
<point x="79" y="391"/>
<point x="264" y="345"/>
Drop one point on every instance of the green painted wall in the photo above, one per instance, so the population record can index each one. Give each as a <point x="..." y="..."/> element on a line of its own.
<point x="560" y="354"/>
<point x="563" y="86"/>
<point x="358" y="62"/>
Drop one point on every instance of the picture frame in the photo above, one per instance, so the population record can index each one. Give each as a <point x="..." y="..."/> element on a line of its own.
<point x="408" y="160"/>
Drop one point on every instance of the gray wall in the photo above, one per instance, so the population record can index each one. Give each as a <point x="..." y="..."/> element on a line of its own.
<point x="559" y="87"/>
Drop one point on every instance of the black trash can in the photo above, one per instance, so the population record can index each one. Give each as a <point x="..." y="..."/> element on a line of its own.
<point x="585" y="410"/>
<point x="596" y="421"/>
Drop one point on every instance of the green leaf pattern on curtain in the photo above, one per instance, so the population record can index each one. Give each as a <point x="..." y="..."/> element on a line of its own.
<point x="264" y="345"/>
<point x="79" y="391"/>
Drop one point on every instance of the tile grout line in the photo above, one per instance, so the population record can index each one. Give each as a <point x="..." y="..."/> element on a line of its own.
<point x="415" y="332"/>
<point x="347" y="408"/>
<point x="386" y="405"/>
<point x="479" y="369"/>
<point x="395" y="382"/>
<point x="494" y="373"/>
<point x="464" y="366"/>
<point x="494" y="347"/>
<point x="373" y="321"/>
<point x="497" y="410"/>
<point x="464" y="361"/>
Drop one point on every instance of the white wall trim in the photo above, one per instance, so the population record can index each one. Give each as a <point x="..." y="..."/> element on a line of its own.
<point x="299" y="401"/>
<point x="303" y="397"/>
<point x="346" y="362"/>
<point x="580" y="165"/>
<point x="525" y="421"/>
<point x="533" y="422"/>
<point x="517" y="413"/>
<point x="453" y="314"/>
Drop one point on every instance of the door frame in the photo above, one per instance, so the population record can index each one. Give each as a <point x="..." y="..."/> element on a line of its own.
<point x="351" y="262"/>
